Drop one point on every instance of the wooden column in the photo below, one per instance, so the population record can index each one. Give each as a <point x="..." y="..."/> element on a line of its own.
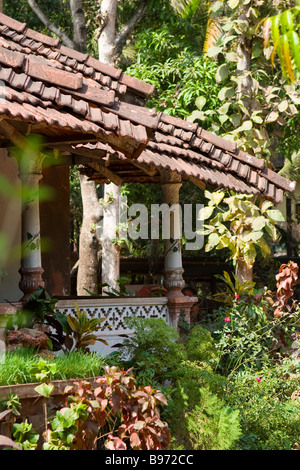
<point x="31" y="271"/>
<point x="173" y="271"/>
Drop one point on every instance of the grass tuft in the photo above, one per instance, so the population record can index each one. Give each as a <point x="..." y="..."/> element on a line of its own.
<point x="15" y="368"/>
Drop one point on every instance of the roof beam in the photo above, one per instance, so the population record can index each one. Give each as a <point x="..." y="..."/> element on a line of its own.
<point x="104" y="171"/>
<point x="11" y="133"/>
<point x="197" y="183"/>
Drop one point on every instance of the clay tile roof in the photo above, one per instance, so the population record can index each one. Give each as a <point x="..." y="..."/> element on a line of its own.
<point x="88" y="105"/>
<point x="12" y="24"/>
<point x="52" y="75"/>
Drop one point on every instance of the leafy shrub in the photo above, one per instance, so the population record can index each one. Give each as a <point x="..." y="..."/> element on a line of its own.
<point x="269" y="416"/>
<point x="243" y="336"/>
<point x="184" y="366"/>
<point x="154" y="350"/>
<point x="212" y="425"/>
<point x="116" y="415"/>
<point x="247" y="334"/>
<point x="199" y="419"/>
<point x="200" y="345"/>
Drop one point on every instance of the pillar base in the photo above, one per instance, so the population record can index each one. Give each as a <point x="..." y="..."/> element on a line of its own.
<point x="31" y="279"/>
<point x="177" y="305"/>
<point x="174" y="282"/>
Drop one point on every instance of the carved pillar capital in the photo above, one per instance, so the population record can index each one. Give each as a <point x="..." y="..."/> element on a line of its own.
<point x="30" y="165"/>
<point x="31" y="280"/>
<point x="173" y="281"/>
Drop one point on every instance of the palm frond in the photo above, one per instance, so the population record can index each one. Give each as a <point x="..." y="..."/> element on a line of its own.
<point x="186" y="8"/>
<point x="213" y="33"/>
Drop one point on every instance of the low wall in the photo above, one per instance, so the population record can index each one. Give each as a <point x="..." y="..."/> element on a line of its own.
<point x="116" y="310"/>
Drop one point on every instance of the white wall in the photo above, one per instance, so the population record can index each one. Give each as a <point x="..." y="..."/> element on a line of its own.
<point x="10" y="225"/>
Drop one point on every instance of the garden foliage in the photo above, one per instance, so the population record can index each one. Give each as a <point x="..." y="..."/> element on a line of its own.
<point x="231" y="383"/>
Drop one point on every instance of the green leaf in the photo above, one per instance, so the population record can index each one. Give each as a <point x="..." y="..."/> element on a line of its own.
<point x="257" y="119"/>
<point x="222" y="72"/>
<point x="283" y="105"/>
<point x="223" y="118"/>
<point x="205" y="212"/>
<point x="200" y="102"/>
<point x="235" y="120"/>
<point x="213" y="239"/>
<point x="265" y="206"/>
<point x="275" y="215"/>
<point x="246" y="126"/>
<point x="258" y="223"/>
<point x="224" y="109"/>
<point x="45" y="389"/>
<point x="256" y="236"/>
<point x="216" y="6"/>
<point x="226" y="92"/>
<point x="265" y="249"/>
<point x="294" y="41"/>
<point x="287" y="21"/>
<point x="272" y="116"/>
<point x="217" y="197"/>
<point x="271" y="230"/>
<point x="275" y="20"/>
<point x="214" y="51"/>
<point x="197" y="115"/>
<point x="233" y="3"/>
<point x="139" y="425"/>
<point x="224" y="241"/>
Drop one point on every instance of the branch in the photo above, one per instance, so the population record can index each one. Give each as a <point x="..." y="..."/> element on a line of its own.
<point x="66" y="40"/>
<point x="122" y="36"/>
<point x="79" y="25"/>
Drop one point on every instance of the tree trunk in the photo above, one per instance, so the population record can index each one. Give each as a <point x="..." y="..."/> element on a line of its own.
<point x="112" y="192"/>
<point x="106" y="41"/>
<point x="243" y="272"/>
<point x="79" y="25"/>
<point x="111" y="250"/>
<point x="244" y="52"/>
<point x="89" y="244"/>
<point x="87" y="277"/>
<point x="110" y="45"/>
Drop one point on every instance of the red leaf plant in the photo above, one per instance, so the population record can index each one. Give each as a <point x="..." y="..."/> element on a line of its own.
<point x="121" y="415"/>
<point x="286" y="280"/>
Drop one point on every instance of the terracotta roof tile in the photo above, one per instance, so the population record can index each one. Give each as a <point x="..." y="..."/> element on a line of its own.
<point x="144" y="116"/>
<point x="137" y="85"/>
<point x="11" y="23"/>
<point x="11" y="58"/>
<point x="94" y="94"/>
<point x="216" y="140"/>
<point x="79" y="56"/>
<point x="41" y="38"/>
<point x="176" y="122"/>
<point x="103" y="68"/>
<point x="52" y="75"/>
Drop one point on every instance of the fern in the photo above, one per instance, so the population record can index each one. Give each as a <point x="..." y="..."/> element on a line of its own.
<point x="212" y="425"/>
